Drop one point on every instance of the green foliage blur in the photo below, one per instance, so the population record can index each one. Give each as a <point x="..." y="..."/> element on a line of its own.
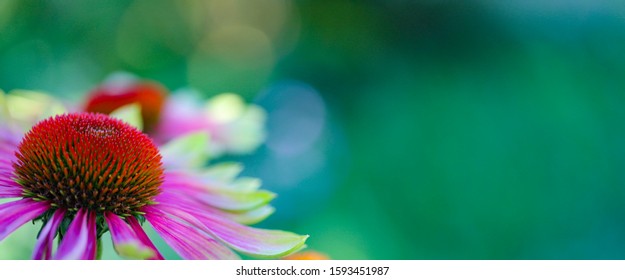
<point x="452" y="129"/>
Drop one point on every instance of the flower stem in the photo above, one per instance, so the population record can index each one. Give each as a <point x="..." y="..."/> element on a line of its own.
<point x="98" y="247"/>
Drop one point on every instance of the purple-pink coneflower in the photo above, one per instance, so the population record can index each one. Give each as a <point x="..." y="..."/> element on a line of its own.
<point x="83" y="174"/>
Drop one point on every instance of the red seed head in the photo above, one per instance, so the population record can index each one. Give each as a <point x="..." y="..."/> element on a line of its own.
<point x="88" y="160"/>
<point x="150" y="95"/>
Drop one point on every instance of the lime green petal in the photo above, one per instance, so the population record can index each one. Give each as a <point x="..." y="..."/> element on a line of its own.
<point x="4" y="110"/>
<point x="240" y="185"/>
<point x="242" y="125"/>
<point x="247" y="132"/>
<point x="253" y="216"/>
<point x="223" y="172"/>
<point x="134" y="251"/>
<point x="294" y="241"/>
<point x="223" y="177"/>
<point x="237" y="201"/>
<point x="28" y="107"/>
<point x="130" y="114"/>
<point x="188" y="151"/>
<point x="225" y="107"/>
<point x="245" y="184"/>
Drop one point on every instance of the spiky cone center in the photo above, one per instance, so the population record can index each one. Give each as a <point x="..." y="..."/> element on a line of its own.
<point x="150" y="95"/>
<point x="91" y="161"/>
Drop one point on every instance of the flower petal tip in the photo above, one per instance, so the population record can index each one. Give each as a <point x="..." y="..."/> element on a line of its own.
<point x="298" y="247"/>
<point x="134" y="251"/>
<point x="298" y="243"/>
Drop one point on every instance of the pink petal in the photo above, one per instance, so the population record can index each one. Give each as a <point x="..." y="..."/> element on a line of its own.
<point x="143" y="237"/>
<point x="9" y="136"/>
<point x="16" y="213"/>
<point x="125" y="240"/>
<point x="8" y="145"/>
<point x="188" y="241"/>
<point x="175" y="120"/>
<point x="79" y="243"/>
<point x="9" y="193"/>
<point x="6" y="163"/>
<point x="9" y="188"/>
<point x="252" y="241"/>
<point x="43" y="247"/>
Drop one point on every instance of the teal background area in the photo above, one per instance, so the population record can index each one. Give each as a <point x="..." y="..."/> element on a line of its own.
<point x="397" y="129"/>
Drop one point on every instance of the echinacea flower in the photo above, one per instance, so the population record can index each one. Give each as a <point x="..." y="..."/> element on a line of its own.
<point x="83" y="174"/>
<point x="234" y="127"/>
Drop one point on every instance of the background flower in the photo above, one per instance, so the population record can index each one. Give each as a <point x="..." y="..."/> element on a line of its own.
<point x="233" y="126"/>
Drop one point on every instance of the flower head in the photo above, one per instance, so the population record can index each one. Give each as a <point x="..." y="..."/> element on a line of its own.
<point x="83" y="174"/>
<point x="88" y="161"/>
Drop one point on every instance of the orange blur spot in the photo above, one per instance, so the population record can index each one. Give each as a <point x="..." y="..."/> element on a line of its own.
<point x="307" y="255"/>
<point x="149" y="95"/>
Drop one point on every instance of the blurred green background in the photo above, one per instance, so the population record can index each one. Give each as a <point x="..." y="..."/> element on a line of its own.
<point x="397" y="129"/>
